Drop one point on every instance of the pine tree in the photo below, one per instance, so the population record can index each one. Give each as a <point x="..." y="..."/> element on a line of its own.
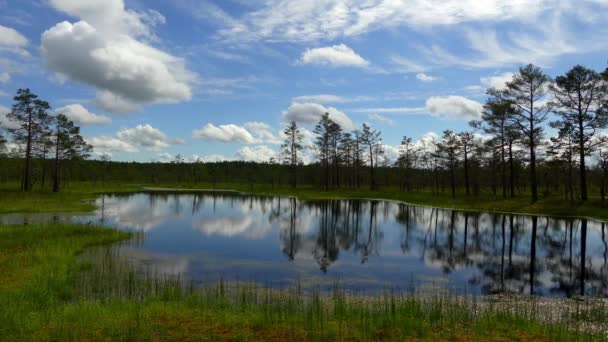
<point x="32" y="121"/>
<point x="526" y="92"/>
<point x="291" y="147"/>
<point x="373" y="143"/>
<point x="578" y="99"/>
<point x="69" y="145"/>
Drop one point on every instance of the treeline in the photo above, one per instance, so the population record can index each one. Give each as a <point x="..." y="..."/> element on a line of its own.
<point x="508" y="141"/>
<point x="506" y="153"/>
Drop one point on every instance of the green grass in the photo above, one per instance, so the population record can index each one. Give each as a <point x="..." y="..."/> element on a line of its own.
<point x="51" y="290"/>
<point x="78" y="197"/>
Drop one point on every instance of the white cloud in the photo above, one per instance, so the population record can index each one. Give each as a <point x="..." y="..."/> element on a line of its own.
<point x="12" y="41"/>
<point x="250" y="133"/>
<point x="146" y="136"/>
<point x="427" y="141"/>
<point x="109" y="145"/>
<point x="320" y="98"/>
<point x="227" y="86"/>
<point x="4" y="121"/>
<point x="393" y="110"/>
<point x="329" y="98"/>
<point x="4" y="77"/>
<point x="115" y="103"/>
<point x="406" y="65"/>
<point x="259" y="154"/>
<point x="310" y="113"/>
<point x="224" y="133"/>
<point x="262" y="132"/>
<point x="212" y="158"/>
<point x="107" y="49"/>
<point x="498" y="81"/>
<point x="454" y="107"/>
<point x="336" y="55"/>
<point x="425" y="78"/>
<point x="165" y="157"/>
<point x="81" y="116"/>
<point x="381" y="119"/>
<point x="391" y="152"/>
<point x="313" y="20"/>
<point x="540" y="44"/>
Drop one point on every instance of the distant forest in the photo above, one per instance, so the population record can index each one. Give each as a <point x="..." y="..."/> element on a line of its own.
<point x="505" y="153"/>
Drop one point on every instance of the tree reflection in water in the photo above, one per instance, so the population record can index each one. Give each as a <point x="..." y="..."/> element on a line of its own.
<point x="494" y="253"/>
<point x="514" y="254"/>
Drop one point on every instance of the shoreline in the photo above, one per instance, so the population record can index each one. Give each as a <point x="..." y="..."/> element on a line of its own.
<point x="471" y="210"/>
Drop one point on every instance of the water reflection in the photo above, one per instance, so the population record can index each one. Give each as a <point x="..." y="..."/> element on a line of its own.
<point x="366" y="244"/>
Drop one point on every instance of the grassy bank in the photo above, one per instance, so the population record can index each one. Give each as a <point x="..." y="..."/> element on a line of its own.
<point x="48" y="293"/>
<point x="77" y="197"/>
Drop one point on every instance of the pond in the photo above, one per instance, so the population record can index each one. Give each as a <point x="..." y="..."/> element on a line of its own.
<point x="363" y="245"/>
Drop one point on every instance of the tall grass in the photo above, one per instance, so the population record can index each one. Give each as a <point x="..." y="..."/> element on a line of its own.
<point x="48" y="293"/>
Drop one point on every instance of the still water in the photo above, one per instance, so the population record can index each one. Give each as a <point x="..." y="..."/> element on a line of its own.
<point x="363" y="245"/>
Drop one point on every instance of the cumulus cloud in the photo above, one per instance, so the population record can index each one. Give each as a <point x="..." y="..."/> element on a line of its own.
<point x="336" y="55"/>
<point x="259" y="154"/>
<point x="262" y="132"/>
<point x="454" y="107"/>
<point x="81" y="116"/>
<point x="498" y="81"/>
<point x="391" y="152"/>
<point x="425" y="78"/>
<point x="108" y="50"/>
<point x="130" y="139"/>
<point x="109" y="145"/>
<point x="4" y="121"/>
<point x="146" y="136"/>
<point x="310" y="113"/>
<point x="12" y="41"/>
<point x="212" y="158"/>
<point x="254" y="132"/>
<point x="224" y="133"/>
<point x="115" y="103"/>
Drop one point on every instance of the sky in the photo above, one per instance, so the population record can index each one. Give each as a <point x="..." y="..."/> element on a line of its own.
<point x="219" y="79"/>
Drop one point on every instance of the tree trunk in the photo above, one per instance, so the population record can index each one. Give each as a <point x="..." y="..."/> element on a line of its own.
<point x="466" y="172"/>
<point x="511" y="170"/>
<point x="503" y="166"/>
<point x="453" y="181"/>
<point x="584" y="195"/>
<point x="533" y="181"/>
<point x="28" y="155"/>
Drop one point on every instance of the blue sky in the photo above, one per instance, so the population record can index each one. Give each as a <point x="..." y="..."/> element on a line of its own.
<point x="216" y="80"/>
